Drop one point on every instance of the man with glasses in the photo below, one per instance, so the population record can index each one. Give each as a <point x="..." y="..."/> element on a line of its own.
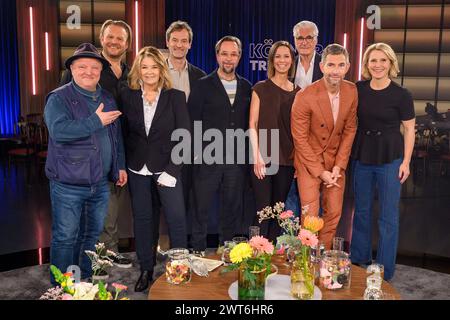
<point x="307" y="70"/>
<point x="221" y="101"/>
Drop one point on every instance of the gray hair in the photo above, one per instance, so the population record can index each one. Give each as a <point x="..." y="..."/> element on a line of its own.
<point x="306" y="24"/>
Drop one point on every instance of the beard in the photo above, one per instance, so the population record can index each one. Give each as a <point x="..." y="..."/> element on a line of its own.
<point x="230" y="70"/>
<point x="333" y="81"/>
<point x="113" y="55"/>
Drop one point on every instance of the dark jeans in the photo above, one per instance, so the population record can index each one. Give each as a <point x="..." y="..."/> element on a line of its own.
<point x="146" y="220"/>
<point x="71" y="206"/>
<point x="385" y="179"/>
<point x="268" y="191"/>
<point x="293" y="200"/>
<point x="229" y="181"/>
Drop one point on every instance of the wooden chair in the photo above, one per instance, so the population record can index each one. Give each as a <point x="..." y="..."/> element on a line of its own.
<point x="42" y="146"/>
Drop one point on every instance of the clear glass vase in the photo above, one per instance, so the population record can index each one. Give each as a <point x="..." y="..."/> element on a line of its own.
<point x="251" y="284"/>
<point x="302" y="277"/>
<point x="335" y="270"/>
<point x="178" y="268"/>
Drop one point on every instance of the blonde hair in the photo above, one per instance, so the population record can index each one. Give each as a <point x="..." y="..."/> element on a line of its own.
<point x="121" y="24"/>
<point x="388" y="51"/>
<point x="271" y="58"/>
<point x="149" y="52"/>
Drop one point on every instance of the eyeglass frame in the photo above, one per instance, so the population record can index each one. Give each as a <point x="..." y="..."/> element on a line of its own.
<point x="307" y="39"/>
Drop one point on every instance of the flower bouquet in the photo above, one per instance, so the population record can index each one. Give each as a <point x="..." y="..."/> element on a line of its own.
<point x="69" y="290"/>
<point x="253" y="261"/>
<point x="299" y="240"/>
<point x="101" y="259"/>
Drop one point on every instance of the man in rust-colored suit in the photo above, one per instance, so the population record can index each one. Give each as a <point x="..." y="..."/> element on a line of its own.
<point x="323" y="122"/>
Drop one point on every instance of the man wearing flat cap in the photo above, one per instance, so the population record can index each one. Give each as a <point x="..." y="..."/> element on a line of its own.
<point x="115" y="39"/>
<point x="85" y="151"/>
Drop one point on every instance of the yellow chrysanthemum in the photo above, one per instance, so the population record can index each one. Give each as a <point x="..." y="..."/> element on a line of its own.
<point x="313" y="224"/>
<point x="240" y="252"/>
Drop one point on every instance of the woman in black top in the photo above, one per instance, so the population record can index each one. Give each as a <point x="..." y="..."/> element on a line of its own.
<point x="270" y="110"/>
<point x="382" y="155"/>
<point x="152" y="110"/>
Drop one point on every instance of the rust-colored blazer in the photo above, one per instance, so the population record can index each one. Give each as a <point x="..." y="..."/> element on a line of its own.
<point x="319" y="144"/>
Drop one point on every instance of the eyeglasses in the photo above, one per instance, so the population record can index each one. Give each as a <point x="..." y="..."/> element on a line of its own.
<point x="308" y="39"/>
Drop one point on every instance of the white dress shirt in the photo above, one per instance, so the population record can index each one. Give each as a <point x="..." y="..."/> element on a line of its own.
<point x="303" y="79"/>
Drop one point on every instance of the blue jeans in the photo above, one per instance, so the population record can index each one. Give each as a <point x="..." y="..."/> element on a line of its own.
<point x="293" y="200"/>
<point x="78" y="214"/>
<point x="385" y="179"/>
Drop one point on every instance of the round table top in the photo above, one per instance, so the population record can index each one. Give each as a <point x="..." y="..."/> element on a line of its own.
<point x="215" y="286"/>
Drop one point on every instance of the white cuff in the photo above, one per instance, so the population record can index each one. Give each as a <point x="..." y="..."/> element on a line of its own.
<point x="167" y="180"/>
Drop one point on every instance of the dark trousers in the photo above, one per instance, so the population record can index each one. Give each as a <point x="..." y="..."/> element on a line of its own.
<point x="186" y="177"/>
<point x="146" y="218"/>
<point x="229" y="181"/>
<point x="268" y="191"/>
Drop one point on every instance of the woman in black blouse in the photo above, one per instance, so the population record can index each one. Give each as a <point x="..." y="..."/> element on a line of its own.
<point x="382" y="155"/>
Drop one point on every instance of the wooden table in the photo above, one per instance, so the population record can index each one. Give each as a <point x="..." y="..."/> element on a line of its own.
<point x="215" y="287"/>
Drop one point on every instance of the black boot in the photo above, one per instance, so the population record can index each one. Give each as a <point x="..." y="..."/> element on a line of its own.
<point x="143" y="281"/>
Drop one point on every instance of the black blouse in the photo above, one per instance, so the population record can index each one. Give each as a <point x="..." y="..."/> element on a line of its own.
<point x="380" y="112"/>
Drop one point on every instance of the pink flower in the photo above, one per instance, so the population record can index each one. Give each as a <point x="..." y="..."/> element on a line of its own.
<point x="308" y="238"/>
<point x="281" y="250"/>
<point x="335" y="285"/>
<point x="286" y="214"/>
<point x="261" y="244"/>
<point x="119" y="286"/>
<point x="67" y="296"/>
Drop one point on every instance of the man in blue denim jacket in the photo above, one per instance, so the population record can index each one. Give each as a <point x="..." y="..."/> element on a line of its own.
<point x="85" y="151"/>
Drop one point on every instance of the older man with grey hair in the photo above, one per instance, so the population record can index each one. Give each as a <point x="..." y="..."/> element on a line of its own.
<point x="307" y="68"/>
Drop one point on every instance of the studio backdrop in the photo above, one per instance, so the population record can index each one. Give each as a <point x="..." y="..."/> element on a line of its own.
<point x="257" y="23"/>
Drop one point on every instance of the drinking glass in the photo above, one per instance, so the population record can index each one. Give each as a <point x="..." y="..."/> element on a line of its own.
<point x="338" y="244"/>
<point x="227" y="246"/>
<point x="238" y="240"/>
<point x="253" y="231"/>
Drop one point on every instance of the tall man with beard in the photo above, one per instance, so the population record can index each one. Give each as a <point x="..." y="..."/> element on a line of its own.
<point x="323" y="125"/>
<point x="115" y="39"/>
<point x="221" y="101"/>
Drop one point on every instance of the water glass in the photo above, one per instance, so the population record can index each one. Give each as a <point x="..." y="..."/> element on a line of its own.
<point x="238" y="240"/>
<point x="376" y="268"/>
<point x="338" y="244"/>
<point x="253" y="231"/>
<point x="317" y="252"/>
<point x="227" y="246"/>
